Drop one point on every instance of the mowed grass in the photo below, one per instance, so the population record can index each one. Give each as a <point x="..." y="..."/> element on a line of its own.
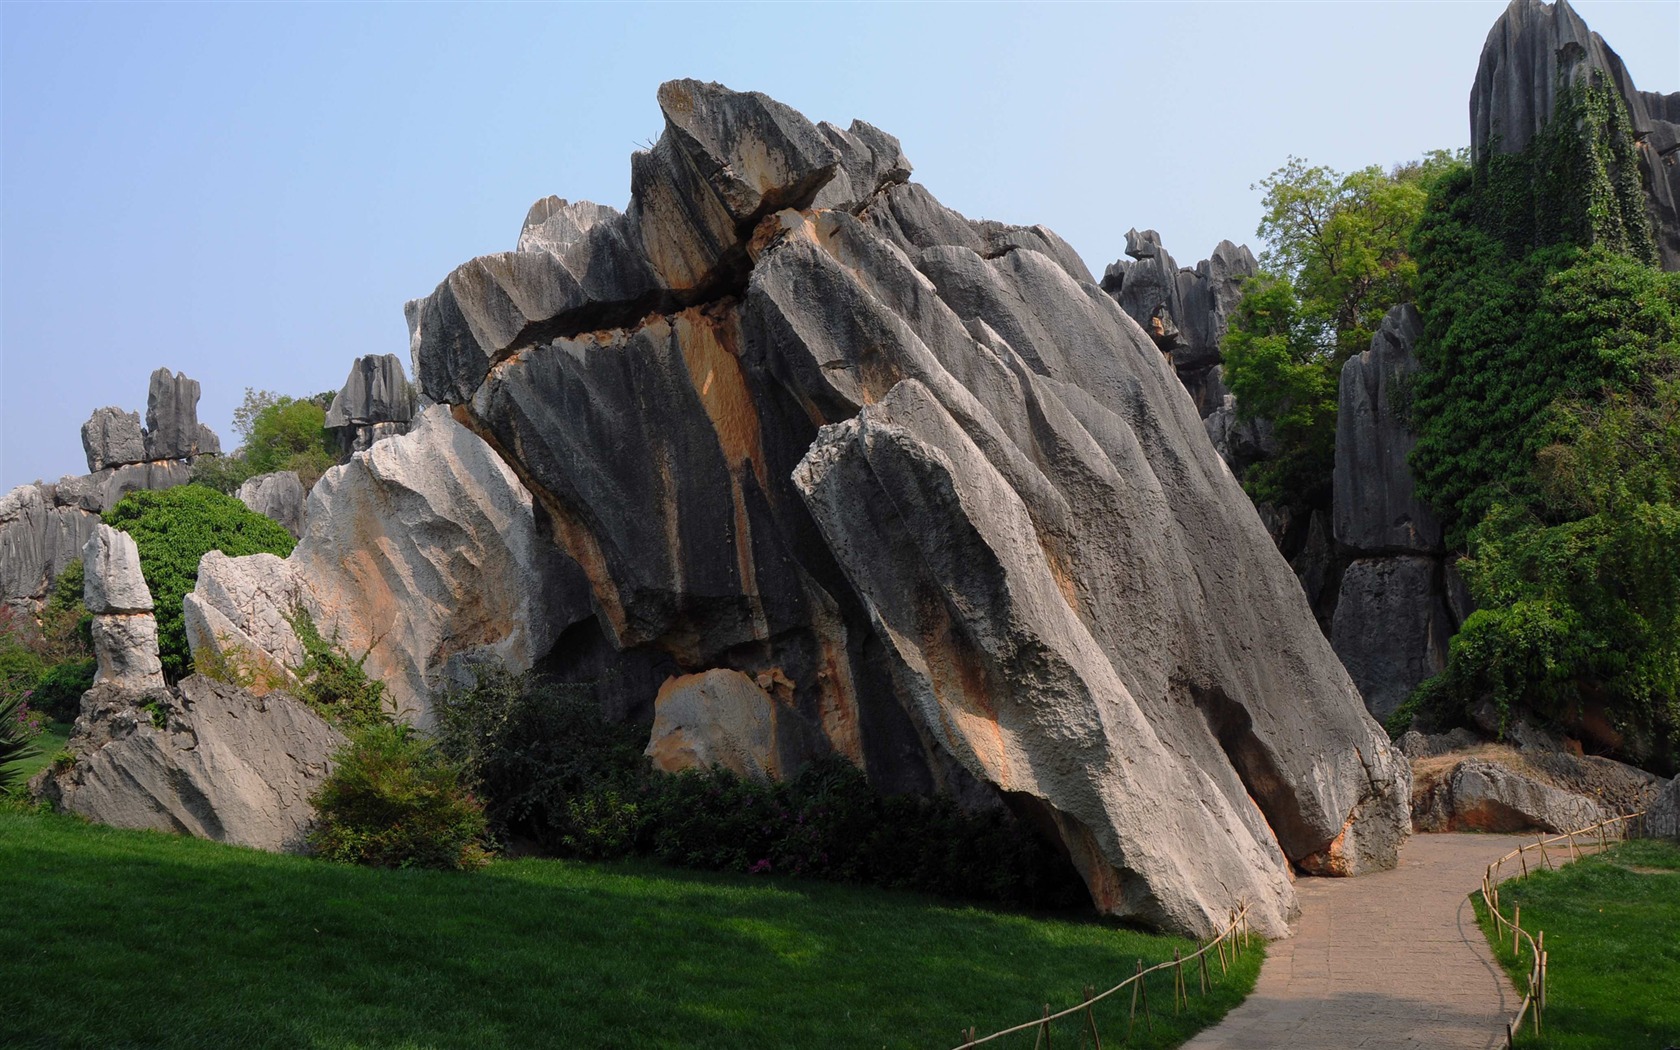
<point x="1612" y="925"/>
<point x="48" y="744"/>
<point x="131" y="939"/>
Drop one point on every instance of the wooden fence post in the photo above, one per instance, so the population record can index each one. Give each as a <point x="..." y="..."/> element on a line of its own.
<point x="1091" y="1016"/>
<point x="1137" y="987"/>
<point x="1516" y="929"/>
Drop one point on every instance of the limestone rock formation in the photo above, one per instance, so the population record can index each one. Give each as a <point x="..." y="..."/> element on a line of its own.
<point x="376" y="402"/>
<point x="124" y="629"/>
<point x="113" y="438"/>
<point x="279" y="496"/>
<point x="926" y="472"/>
<point x="1185" y="311"/>
<point x="1399" y="600"/>
<point x="1478" y="795"/>
<point x="1662" y="819"/>
<point x="42" y="529"/>
<point x="238" y="617"/>
<point x="1534" y="49"/>
<point x="208" y="760"/>
<point x="722" y="717"/>
<point x="419" y="549"/>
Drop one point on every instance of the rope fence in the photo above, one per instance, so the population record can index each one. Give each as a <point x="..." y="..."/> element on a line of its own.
<point x="1227" y="946"/>
<point x="1534" y="999"/>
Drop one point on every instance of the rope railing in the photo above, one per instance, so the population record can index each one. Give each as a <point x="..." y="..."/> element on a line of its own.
<point x="1534" y="999"/>
<point x="1226" y="946"/>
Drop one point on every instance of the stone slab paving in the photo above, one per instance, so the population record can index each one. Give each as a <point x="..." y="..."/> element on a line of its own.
<point x="1392" y="961"/>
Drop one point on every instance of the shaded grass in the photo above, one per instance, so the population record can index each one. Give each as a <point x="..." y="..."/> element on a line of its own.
<point x="1612" y="925"/>
<point x="48" y="744"/>
<point x="123" y="939"/>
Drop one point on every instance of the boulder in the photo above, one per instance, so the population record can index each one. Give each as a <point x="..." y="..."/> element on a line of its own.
<point x="126" y="648"/>
<point x="1537" y="48"/>
<point x="722" y="717"/>
<point x="112" y="581"/>
<point x="1391" y="627"/>
<point x="1478" y="795"/>
<point x="211" y="761"/>
<point x="238" y="619"/>
<point x="279" y="496"/>
<point x="930" y="474"/>
<point x="113" y="483"/>
<point x="1377" y="510"/>
<point x="112" y="437"/>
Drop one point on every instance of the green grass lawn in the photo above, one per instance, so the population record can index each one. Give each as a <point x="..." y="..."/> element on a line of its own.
<point x="1612" y="925"/>
<point x="127" y="939"/>
<point x="47" y="744"/>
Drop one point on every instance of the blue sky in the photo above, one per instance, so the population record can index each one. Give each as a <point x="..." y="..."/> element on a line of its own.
<point x="248" y="193"/>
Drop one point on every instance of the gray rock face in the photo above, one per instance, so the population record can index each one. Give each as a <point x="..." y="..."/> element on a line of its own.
<point x="1662" y="818"/>
<point x="223" y="765"/>
<point x="112" y="582"/>
<point x="1391" y="627"/>
<point x="42" y="529"/>
<point x="376" y="400"/>
<point x="1185" y="311"/>
<point x="112" y="437"/>
<point x="1376" y="507"/>
<point x="238" y="617"/>
<point x="1484" y="796"/>
<point x="420" y="549"/>
<point x="124" y="630"/>
<point x="1534" y="49"/>
<point x="925" y="472"/>
<point x="278" y="496"/>
<point x="172" y="427"/>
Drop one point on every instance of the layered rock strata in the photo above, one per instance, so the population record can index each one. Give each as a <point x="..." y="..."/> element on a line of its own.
<point x="1393" y="610"/>
<point x="825" y="431"/>
<point x="375" y="402"/>
<point x="1537" y="49"/>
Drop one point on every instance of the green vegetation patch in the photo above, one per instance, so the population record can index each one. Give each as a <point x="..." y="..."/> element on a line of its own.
<point x="115" y="938"/>
<point x="1612" y="925"/>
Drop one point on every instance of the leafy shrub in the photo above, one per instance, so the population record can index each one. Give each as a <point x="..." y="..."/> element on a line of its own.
<point x="58" y="691"/>
<point x="394" y="801"/>
<point x="553" y="770"/>
<point x="173" y="530"/>
<point x="334" y="684"/>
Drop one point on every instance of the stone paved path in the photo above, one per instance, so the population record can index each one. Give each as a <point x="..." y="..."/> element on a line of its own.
<point x="1384" y="962"/>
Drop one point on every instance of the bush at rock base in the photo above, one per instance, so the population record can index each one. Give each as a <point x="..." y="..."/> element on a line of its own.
<point x="393" y="800"/>
<point x="553" y="771"/>
<point x="334" y="683"/>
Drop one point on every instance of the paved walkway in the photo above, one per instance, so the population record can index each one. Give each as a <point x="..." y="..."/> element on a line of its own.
<point x="1383" y="962"/>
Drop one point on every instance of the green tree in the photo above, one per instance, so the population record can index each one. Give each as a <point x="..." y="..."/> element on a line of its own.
<point x="1337" y="258"/>
<point x="290" y="435"/>
<point x="174" y="529"/>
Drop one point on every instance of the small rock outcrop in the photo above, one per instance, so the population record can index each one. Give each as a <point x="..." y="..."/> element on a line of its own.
<point x="44" y="526"/>
<point x="1537" y="48"/>
<point x="278" y="496"/>
<point x="1662" y="819"/>
<point x="1478" y="795"/>
<point x="208" y="760"/>
<point x="420" y="549"/>
<point x="1394" y="608"/>
<point x="1184" y="310"/>
<point x="124" y="629"/>
<point x="926" y="472"/>
<point x="376" y="402"/>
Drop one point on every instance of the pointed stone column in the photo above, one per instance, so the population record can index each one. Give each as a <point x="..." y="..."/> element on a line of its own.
<point x="124" y="630"/>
